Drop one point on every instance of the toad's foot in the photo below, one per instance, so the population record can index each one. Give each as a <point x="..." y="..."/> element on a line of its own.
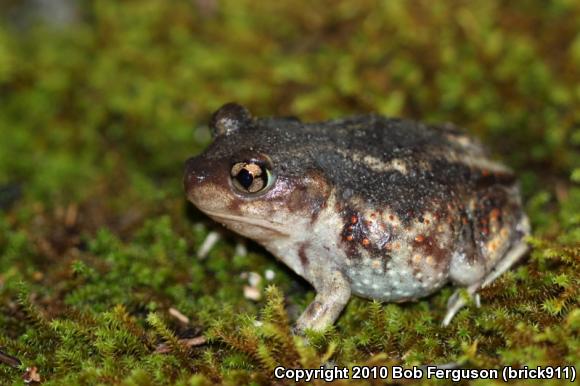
<point x="331" y="298"/>
<point x="456" y="301"/>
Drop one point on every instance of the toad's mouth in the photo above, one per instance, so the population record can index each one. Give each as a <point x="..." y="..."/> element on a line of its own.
<point x="278" y="228"/>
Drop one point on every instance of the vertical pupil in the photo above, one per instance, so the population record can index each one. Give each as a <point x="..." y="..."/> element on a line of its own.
<point x="245" y="178"/>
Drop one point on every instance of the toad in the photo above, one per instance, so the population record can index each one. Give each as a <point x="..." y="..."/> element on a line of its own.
<point x="383" y="208"/>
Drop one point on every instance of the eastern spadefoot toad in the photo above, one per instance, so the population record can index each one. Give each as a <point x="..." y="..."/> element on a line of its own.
<point x="383" y="208"/>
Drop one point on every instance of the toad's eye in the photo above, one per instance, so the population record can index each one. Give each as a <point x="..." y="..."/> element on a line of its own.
<point x="250" y="177"/>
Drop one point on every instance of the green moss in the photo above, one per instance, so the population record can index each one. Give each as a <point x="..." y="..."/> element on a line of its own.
<point x="97" y="117"/>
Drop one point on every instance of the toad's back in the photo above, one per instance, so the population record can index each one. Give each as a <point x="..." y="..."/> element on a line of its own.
<point x="404" y="164"/>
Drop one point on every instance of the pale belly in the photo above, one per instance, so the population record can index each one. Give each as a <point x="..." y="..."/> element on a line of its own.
<point x="394" y="280"/>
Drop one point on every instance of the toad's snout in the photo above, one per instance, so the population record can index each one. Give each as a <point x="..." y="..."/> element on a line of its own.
<point x="205" y="181"/>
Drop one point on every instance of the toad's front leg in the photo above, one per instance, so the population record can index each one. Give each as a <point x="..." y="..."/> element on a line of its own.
<point x="332" y="294"/>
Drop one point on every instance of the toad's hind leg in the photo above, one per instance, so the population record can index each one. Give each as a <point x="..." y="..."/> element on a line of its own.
<point x="456" y="301"/>
<point x="492" y="237"/>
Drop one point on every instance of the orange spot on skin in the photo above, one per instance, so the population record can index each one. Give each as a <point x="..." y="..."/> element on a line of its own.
<point x="391" y="217"/>
<point x="388" y="246"/>
<point x="417" y="259"/>
<point x="419" y="238"/>
<point x="376" y="264"/>
<point x="366" y="242"/>
<point x="504" y="233"/>
<point x="430" y="260"/>
<point x="349" y="237"/>
<point x="427" y="221"/>
<point x="354" y="219"/>
<point x="373" y="215"/>
<point x="397" y="245"/>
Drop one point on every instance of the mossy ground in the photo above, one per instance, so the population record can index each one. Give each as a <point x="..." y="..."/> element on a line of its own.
<point x="97" y="242"/>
